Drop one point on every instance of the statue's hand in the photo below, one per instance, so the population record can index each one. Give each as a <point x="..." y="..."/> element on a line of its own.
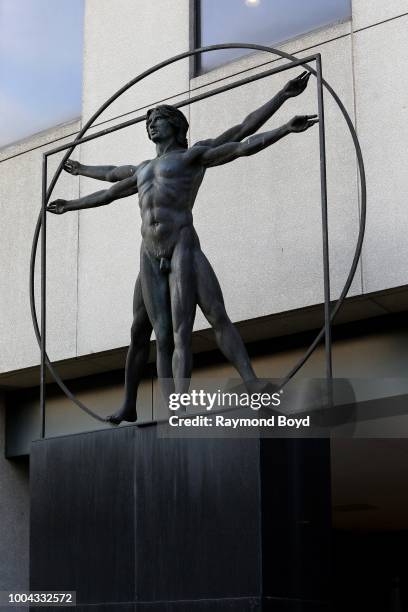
<point x="301" y="123"/>
<point x="57" y="207"/>
<point x="72" y="167"/>
<point x="297" y="86"/>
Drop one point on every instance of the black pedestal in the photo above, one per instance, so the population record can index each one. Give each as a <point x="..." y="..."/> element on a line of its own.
<point x="133" y="522"/>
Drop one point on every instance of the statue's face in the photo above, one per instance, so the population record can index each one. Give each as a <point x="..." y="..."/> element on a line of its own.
<point x="159" y="128"/>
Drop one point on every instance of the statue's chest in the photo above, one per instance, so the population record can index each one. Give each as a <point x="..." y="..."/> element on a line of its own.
<point x="170" y="167"/>
<point x="165" y="171"/>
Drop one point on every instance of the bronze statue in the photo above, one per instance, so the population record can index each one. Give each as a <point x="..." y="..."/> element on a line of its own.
<point x="175" y="275"/>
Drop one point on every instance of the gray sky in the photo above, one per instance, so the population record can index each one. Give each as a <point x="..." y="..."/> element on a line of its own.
<point x="40" y="65"/>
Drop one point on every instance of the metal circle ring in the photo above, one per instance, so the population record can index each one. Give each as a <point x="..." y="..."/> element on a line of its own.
<point x="106" y="104"/>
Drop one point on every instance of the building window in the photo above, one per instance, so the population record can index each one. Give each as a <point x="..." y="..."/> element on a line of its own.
<point x="265" y="22"/>
<point x="41" y="47"/>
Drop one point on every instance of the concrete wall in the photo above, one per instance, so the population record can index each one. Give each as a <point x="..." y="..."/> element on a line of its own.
<point x="20" y="203"/>
<point x="258" y="218"/>
<point x="380" y="58"/>
<point x="268" y="206"/>
<point x="109" y="238"/>
<point x="14" y="523"/>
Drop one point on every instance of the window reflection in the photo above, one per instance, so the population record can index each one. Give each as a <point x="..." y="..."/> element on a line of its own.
<point x="267" y="22"/>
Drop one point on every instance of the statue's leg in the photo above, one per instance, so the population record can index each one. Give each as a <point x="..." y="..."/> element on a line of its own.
<point x="211" y="302"/>
<point x="183" y="297"/>
<point x="136" y="359"/>
<point x="156" y="296"/>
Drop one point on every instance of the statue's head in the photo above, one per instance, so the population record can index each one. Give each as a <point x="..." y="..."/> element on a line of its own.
<point x="173" y="119"/>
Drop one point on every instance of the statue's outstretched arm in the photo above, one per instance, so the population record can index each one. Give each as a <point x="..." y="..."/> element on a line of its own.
<point x="102" y="173"/>
<point x="122" y="189"/>
<point x="257" y="118"/>
<point x="216" y="156"/>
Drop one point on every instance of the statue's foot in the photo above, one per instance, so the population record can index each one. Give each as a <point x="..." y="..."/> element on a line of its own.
<point x="124" y="414"/>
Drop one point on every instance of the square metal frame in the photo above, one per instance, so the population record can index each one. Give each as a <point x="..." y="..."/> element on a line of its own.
<point x="323" y="191"/>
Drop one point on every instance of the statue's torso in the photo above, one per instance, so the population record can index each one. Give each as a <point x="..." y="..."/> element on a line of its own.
<point x="167" y="188"/>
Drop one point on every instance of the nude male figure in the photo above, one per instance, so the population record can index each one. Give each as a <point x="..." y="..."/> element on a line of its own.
<point x="175" y="275"/>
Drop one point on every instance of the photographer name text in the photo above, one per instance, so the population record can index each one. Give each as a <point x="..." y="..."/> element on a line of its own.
<point x="238" y="422"/>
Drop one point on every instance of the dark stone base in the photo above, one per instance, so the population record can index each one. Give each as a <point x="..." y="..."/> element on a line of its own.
<point x="248" y="604"/>
<point x="156" y="524"/>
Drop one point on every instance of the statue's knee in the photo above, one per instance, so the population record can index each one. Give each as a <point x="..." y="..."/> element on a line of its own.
<point x="164" y="338"/>
<point x="218" y="317"/>
<point x="182" y="336"/>
<point x="135" y="331"/>
<point x="139" y="334"/>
